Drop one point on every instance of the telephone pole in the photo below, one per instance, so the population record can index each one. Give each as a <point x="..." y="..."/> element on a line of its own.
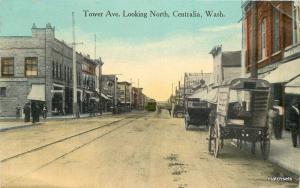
<point x="75" y="106"/>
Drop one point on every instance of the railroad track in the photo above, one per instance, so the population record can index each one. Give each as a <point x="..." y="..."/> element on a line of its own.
<point x="134" y="118"/>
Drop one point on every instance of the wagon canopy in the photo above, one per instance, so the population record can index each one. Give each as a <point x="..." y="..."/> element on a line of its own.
<point x="249" y="84"/>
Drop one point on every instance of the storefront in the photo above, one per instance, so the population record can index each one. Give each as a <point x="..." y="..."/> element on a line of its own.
<point x="284" y="84"/>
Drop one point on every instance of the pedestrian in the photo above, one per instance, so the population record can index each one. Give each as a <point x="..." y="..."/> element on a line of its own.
<point x="293" y="118"/>
<point x="169" y="109"/>
<point x="91" y="109"/>
<point x="26" y="111"/>
<point x="35" y="112"/>
<point x="18" y="111"/>
<point x="45" y="111"/>
<point x="273" y="121"/>
<point x="38" y="112"/>
<point x="94" y="109"/>
<point x="278" y="120"/>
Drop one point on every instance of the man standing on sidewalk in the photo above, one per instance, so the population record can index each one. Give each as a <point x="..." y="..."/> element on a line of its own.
<point x="26" y="111"/>
<point x="278" y="120"/>
<point x="294" y="121"/>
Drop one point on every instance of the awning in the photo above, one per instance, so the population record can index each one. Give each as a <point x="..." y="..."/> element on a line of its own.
<point x="285" y="72"/>
<point x="293" y="87"/>
<point x="37" y="92"/>
<point x="94" y="98"/>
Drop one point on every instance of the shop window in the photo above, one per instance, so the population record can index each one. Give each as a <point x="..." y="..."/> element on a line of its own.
<point x="7" y="66"/>
<point x="31" y="66"/>
<point x="275" y="46"/>
<point x="2" y="91"/>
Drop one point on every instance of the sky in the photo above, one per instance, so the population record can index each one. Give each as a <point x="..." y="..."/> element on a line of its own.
<point x="154" y="52"/>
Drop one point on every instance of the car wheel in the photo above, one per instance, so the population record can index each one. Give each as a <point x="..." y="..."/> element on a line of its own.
<point x="179" y="115"/>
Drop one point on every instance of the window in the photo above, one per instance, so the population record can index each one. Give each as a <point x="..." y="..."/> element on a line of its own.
<point x="275" y="46"/>
<point x="31" y="66"/>
<point x="53" y="69"/>
<point x="56" y="68"/>
<point x="68" y="74"/>
<point x="263" y="39"/>
<point x="65" y="73"/>
<point x="7" y="66"/>
<point x="2" y="91"/>
<point x="60" y="72"/>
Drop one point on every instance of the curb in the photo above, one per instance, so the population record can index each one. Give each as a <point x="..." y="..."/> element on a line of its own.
<point x="19" y="127"/>
<point x="51" y="119"/>
<point x="283" y="165"/>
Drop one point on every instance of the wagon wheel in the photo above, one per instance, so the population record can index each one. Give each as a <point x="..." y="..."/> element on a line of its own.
<point x="210" y="137"/>
<point x="253" y="144"/>
<point x="239" y="143"/>
<point x="217" y="139"/>
<point x="186" y="123"/>
<point x="265" y="147"/>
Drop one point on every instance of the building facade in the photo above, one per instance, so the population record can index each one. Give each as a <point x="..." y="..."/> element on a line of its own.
<point x="268" y="28"/>
<point x="39" y="67"/>
<point x="137" y="98"/>
<point x="271" y="45"/>
<point x="125" y="96"/>
<point x="226" y="65"/>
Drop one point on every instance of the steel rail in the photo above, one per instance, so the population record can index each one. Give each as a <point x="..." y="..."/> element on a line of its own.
<point x="64" y="139"/>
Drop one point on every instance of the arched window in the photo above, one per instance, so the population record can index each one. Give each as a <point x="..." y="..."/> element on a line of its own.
<point x="263" y="39"/>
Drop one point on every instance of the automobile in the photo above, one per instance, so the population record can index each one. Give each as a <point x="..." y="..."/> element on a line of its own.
<point x="197" y="113"/>
<point x="178" y="111"/>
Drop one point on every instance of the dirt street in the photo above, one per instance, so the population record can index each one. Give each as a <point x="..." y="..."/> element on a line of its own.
<point x="153" y="151"/>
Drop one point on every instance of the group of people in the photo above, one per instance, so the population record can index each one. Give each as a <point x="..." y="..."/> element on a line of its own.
<point x="92" y="109"/>
<point x="293" y="120"/>
<point x="32" y="109"/>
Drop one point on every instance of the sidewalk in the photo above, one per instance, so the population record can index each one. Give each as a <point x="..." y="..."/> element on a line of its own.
<point x="284" y="154"/>
<point x="8" y="123"/>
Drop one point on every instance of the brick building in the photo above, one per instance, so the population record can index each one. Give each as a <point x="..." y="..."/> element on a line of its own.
<point x="39" y="67"/>
<point x="137" y="98"/>
<point x="271" y="48"/>
<point x="267" y="31"/>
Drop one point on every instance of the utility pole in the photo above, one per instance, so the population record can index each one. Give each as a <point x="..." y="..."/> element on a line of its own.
<point x="184" y="85"/>
<point x="139" y="106"/>
<point x="178" y="92"/>
<point x="125" y="94"/>
<point x="130" y="93"/>
<point x="75" y="107"/>
<point x="253" y="40"/>
<point x="99" y="74"/>
<point x="115" y="91"/>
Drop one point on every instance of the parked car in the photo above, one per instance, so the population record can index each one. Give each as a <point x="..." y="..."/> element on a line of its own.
<point x="178" y="111"/>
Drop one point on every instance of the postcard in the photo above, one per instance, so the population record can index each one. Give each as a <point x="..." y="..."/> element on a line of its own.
<point x="152" y="94"/>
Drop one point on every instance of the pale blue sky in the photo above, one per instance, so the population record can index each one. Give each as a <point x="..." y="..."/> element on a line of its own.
<point x="133" y="46"/>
